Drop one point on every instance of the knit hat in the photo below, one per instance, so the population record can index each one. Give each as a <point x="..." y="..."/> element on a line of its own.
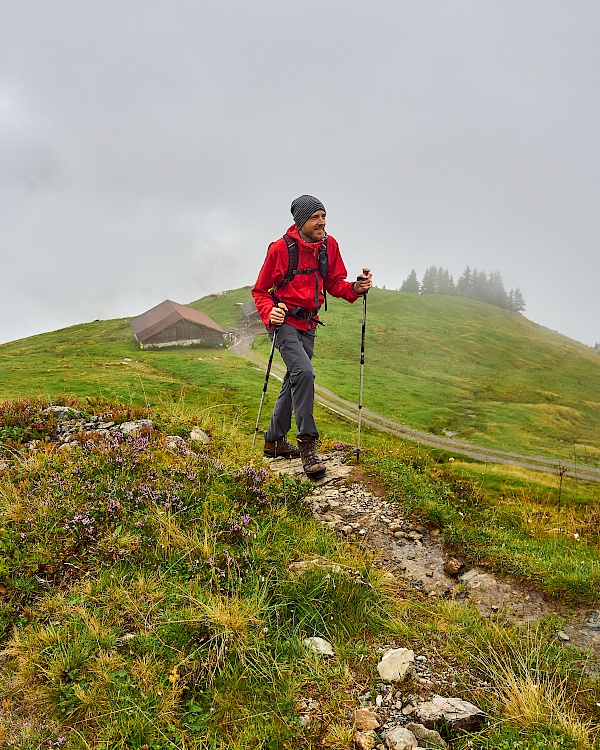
<point x="304" y="207"/>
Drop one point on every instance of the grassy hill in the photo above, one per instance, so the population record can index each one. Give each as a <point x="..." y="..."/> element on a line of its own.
<point x="146" y="595"/>
<point x="437" y="362"/>
<point x="433" y="362"/>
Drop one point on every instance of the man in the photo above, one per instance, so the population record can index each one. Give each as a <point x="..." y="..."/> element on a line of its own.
<point x="288" y="293"/>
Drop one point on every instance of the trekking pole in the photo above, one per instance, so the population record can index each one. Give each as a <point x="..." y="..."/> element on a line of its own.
<point x="362" y="366"/>
<point x="264" y="391"/>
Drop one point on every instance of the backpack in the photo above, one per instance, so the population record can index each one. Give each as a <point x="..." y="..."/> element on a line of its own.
<point x="292" y="270"/>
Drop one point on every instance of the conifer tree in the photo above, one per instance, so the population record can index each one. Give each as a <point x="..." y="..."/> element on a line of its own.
<point x="411" y="283"/>
<point x="429" y="285"/>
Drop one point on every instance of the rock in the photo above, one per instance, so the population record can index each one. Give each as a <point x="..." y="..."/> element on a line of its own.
<point x="365" y="740"/>
<point x="364" y="720"/>
<point x="319" y="646"/>
<point x="62" y="413"/>
<point x="199" y="436"/>
<point x="466" y="577"/>
<point x="130" y="428"/>
<point x="452" y="712"/>
<point x="563" y="636"/>
<point x="175" y="442"/>
<point x="452" y="567"/>
<point x="593" y="623"/>
<point x="430" y="737"/>
<point x="400" y="738"/>
<point x="396" y="664"/>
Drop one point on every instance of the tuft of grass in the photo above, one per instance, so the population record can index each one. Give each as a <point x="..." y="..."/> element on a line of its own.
<point x="533" y="689"/>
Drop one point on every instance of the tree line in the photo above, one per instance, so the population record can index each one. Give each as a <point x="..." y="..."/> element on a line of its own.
<point x="472" y="284"/>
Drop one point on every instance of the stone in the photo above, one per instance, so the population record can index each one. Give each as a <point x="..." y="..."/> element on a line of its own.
<point x="199" y="436"/>
<point x="62" y="413"/>
<point x="319" y="646"/>
<point x="430" y="737"/>
<point x="452" y="566"/>
<point x="563" y="636"/>
<point x="452" y="712"/>
<point x="177" y="443"/>
<point x="466" y="577"/>
<point x="130" y="428"/>
<point x="365" y="740"/>
<point x="400" y="738"/>
<point x="396" y="664"/>
<point x="365" y="720"/>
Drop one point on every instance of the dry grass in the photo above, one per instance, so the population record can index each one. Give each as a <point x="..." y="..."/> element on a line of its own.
<point x="532" y="690"/>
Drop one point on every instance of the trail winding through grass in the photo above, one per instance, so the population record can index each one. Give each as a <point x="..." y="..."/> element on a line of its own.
<point x="329" y="400"/>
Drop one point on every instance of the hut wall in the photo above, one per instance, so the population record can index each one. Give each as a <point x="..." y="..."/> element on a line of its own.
<point x="185" y="330"/>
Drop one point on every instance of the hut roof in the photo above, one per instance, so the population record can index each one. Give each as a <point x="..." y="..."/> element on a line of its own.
<point x="164" y="315"/>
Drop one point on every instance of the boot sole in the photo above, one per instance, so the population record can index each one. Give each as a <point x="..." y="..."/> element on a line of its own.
<point x="316" y="474"/>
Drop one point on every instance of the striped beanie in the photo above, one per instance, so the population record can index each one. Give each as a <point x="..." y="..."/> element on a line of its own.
<point x="304" y="207"/>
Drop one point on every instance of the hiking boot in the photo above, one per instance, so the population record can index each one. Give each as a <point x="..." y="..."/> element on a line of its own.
<point x="313" y="468"/>
<point x="281" y="447"/>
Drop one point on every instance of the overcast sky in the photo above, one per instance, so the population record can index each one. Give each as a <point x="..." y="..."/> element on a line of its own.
<point x="150" y="150"/>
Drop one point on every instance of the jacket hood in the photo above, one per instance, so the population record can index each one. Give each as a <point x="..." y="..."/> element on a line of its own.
<point x="302" y="245"/>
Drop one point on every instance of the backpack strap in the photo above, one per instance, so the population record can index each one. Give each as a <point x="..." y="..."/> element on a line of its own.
<point x="292" y="269"/>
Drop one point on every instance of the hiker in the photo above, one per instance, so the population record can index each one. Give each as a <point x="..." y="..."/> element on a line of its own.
<point x="298" y="269"/>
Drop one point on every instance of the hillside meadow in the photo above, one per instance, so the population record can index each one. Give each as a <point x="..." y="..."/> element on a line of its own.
<point x="216" y="660"/>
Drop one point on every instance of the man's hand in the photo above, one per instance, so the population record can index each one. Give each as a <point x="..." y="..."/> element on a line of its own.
<point x="277" y="315"/>
<point x="363" y="283"/>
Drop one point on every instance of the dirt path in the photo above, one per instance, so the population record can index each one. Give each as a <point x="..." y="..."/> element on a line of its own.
<point x="329" y="400"/>
<point x="344" y="501"/>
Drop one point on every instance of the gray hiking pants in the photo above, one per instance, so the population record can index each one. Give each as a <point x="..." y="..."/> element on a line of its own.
<point x="298" y="389"/>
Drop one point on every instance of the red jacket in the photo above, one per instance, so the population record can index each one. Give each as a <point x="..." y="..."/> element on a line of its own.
<point x="300" y="291"/>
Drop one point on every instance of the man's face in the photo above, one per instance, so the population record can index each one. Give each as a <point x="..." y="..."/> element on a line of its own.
<point x="313" y="230"/>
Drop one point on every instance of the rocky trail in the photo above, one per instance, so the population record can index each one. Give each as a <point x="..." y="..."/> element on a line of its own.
<point x="242" y="341"/>
<point x="391" y="718"/>
<point x="342" y="501"/>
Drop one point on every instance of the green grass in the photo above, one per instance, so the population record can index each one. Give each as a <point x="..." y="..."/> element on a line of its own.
<point x="148" y="599"/>
<point x="166" y="627"/>
<point x="517" y="522"/>
<point x="492" y="376"/>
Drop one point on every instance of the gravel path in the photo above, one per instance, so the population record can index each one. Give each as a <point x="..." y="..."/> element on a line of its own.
<point x="338" y="405"/>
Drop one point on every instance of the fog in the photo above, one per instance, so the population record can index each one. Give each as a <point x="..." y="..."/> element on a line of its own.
<point x="151" y="150"/>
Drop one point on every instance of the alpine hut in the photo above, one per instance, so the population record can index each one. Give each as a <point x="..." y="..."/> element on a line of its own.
<point x="172" y="324"/>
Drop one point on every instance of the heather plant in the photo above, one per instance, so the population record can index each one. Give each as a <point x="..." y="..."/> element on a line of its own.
<point x="147" y="599"/>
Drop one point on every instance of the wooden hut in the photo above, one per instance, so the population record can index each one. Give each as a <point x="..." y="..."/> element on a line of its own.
<point x="172" y="324"/>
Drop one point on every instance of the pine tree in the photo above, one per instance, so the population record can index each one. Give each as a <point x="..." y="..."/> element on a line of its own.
<point x="445" y="282"/>
<point x="495" y="290"/>
<point x="516" y="300"/>
<point x="411" y="283"/>
<point x="464" y="286"/>
<point x="429" y="285"/>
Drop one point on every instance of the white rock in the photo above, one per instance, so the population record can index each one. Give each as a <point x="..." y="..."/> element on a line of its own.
<point x="319" y="646"/>
<point x="130" y="428"/>
<point x="199" y="435"/>
<point x="453" y="712"/>
<point x="431" y="737"/>
<point x="396" y="664"/>
<point x="400" y="738"/>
